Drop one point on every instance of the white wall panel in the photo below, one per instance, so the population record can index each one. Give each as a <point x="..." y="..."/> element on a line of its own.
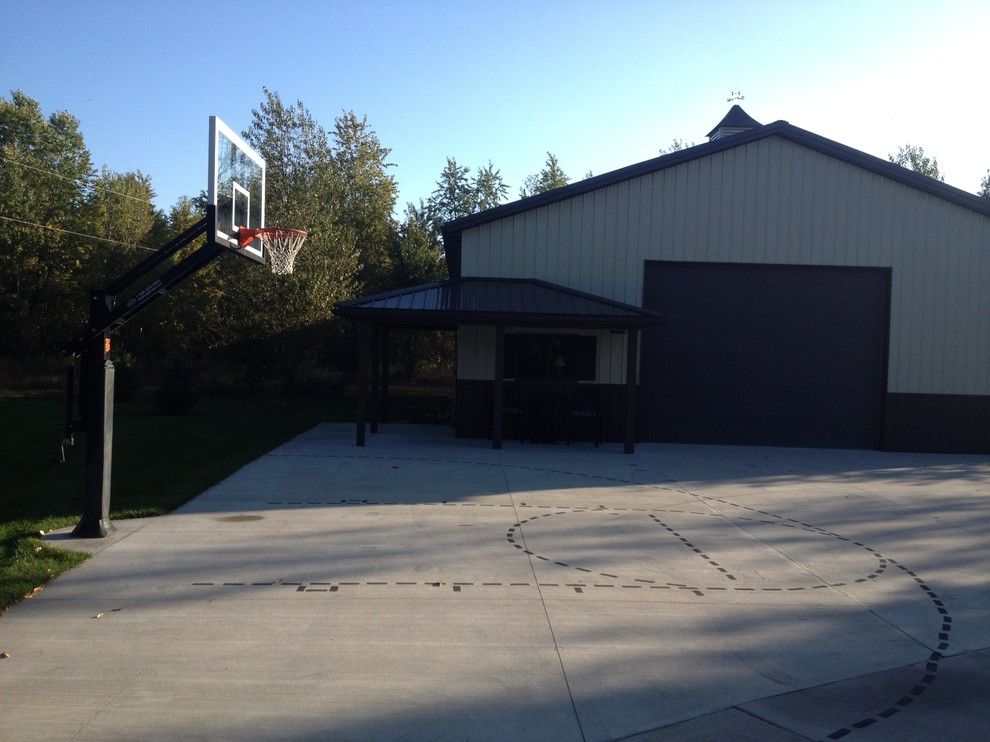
<point x="475" y="352"/>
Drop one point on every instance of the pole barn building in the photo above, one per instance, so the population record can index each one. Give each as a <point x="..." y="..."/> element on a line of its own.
<point x="813" y="295"/>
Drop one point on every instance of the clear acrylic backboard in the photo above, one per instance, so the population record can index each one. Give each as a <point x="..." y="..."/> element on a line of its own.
<point x="236" y="189"/>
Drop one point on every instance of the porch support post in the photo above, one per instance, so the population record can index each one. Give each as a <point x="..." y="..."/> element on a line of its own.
<point x="632" y="345"/>
<point x="497" y="393"/>
<point x="376" y="369"/>
<point x="386" y="355"/>
<point x="364" y="332"/>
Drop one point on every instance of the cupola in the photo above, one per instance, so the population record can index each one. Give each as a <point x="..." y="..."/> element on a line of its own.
<point x="734" y="122"/>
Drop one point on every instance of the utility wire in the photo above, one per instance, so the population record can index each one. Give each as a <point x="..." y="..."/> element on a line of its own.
<point x="91" y="186"/>
<point x="76" y="234"/>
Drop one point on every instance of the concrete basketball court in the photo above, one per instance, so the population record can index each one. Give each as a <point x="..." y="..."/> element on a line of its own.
<point x="430" y="588"/>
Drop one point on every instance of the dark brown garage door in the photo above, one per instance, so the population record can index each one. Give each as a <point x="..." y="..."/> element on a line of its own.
<point x="765" y="354"/>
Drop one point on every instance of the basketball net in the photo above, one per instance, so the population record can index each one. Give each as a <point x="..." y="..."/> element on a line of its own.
<point x="281" y="245"/>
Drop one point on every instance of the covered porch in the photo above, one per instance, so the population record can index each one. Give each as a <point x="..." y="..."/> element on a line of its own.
<point x="540" y="381"/>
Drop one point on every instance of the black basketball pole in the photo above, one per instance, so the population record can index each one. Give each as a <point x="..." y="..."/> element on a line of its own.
<point x="95" y="521"/>
<point x="106" y="315"/>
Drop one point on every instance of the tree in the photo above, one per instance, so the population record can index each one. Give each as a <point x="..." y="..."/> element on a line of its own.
<point x="550" y="177"/>
<point x="91" y="227"/>
<point x="271" y="317"/>
<point x="417" y="256"/>
<point x="300" y="173"/>
<point x="984" y="186"/>
<point x="188" y="321"/>
<point x="44" y="178"/>
<point x="453" y="196"/>
<point x="489" y="188"/>
<point x="119" y="208"/>
<point x="368" y="194"/>
<point x="676" y="145"/>
<point x="457" y="194"/>
<point x="183" y="215"/>
<point x="914" y="158"/>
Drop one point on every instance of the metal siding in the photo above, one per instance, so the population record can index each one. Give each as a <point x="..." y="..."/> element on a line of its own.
<point x="718" y="230"/>
<point x="762" y="211"/>
<point x="649" y="212"/>
<point x="516" y="255"/>
<point x="564" y="254"/>
<point x="978" y="260"/>
<point x="702" y="218"/>
<point x="616" y="224"/>
<point x="664" y="228"/>
<point x="690" y="210"/>
<point x="611" y="358"/>
<point x="775" y="217"/>
<point x="591" y="218"/>
<point x="537" y="261"/>
<point x="637" y="211"/>
<point x="679" y="215"/>
<point x="773" y="201"/>
<point x="750" y="236"/>
<point x="591" y="278"/>
<point x="475" y="352"/>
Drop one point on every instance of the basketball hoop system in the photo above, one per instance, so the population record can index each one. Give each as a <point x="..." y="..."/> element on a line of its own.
<point x="234" y="222"/>
<point x="281" y="244"/>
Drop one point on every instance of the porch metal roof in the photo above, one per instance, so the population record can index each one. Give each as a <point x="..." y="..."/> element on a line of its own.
<point x="520" y="302"/>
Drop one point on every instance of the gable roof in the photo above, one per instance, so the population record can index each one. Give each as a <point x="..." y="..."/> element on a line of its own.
<point x="736" y="118"/>
<point x="452" y="229"/>
<point x="519" y="302"/>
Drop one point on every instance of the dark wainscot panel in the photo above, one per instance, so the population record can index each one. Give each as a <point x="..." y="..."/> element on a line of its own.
<point x="937" y="423"/>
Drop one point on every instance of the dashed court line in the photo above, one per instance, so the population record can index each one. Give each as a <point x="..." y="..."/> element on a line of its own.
<point x="455" y="586"/>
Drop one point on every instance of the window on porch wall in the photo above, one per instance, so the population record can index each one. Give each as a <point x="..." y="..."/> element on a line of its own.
<point x="544" y="356"/>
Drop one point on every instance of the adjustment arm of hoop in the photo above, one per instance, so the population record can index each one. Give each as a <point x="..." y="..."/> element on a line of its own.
<point x="246" y="236"/>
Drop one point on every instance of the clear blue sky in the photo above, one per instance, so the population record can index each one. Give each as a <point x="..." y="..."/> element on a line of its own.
<point x="601" y="84"/>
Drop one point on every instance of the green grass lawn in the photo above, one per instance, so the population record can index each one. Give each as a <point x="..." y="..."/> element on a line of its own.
<point x="221" y="435"/>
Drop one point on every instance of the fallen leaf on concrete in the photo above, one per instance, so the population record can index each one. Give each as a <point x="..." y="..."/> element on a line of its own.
<point x="34" y="592"/>
<point x="4" y="655"/>
<point x="98" y="615"/>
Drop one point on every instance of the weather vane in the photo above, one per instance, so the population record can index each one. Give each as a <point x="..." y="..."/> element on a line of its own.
<point x="735" y="95"/>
